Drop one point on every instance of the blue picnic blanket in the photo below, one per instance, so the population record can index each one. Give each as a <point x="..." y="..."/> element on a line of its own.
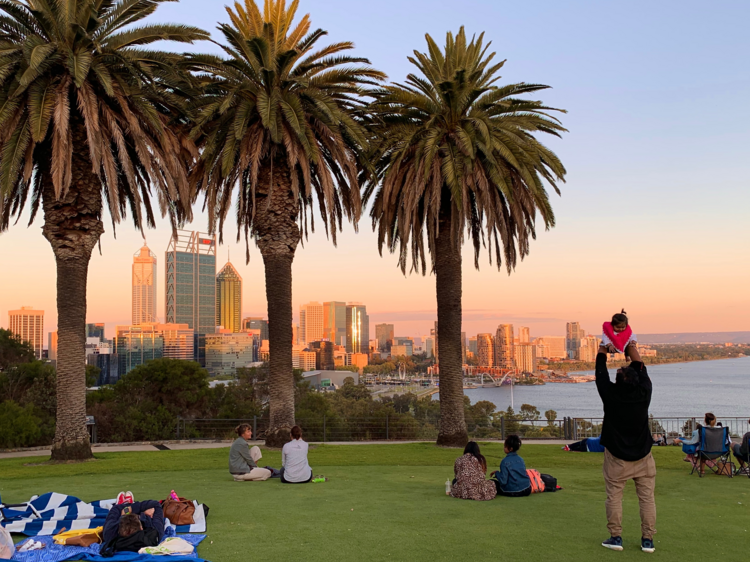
<point x="51" y="513"/>
<point x="57" y="553"/>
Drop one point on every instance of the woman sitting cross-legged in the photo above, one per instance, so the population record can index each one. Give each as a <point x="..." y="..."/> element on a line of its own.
<point x="512" y="478"/>
<point x="243" y="462"/>
<point x="470" y="470"/>
<point x="294" y="466"/>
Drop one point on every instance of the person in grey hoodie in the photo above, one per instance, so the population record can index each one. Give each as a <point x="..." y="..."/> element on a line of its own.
<point x="243" y="462"/>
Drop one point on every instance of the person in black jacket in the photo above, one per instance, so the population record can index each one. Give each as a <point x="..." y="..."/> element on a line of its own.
<point x="627" y="440"/>
<point x="132" y="526"/>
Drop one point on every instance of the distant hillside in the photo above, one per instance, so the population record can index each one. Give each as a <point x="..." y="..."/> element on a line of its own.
<point x="696" y="337"/>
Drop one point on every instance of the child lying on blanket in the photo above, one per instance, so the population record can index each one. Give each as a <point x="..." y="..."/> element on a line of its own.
<point x="132" y="526"/>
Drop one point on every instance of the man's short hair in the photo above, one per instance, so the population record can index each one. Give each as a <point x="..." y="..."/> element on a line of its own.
<point x="129" y="524"/>
<point x="627" y="375"/>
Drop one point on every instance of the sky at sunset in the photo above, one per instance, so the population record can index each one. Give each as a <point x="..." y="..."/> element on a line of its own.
<point x="653" y="216"/>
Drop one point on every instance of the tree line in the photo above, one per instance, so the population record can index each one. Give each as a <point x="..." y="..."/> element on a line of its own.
<point x="92" y="114"/>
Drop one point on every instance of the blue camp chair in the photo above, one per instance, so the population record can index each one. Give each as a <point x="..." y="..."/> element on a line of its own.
<point x="713" y="445"/>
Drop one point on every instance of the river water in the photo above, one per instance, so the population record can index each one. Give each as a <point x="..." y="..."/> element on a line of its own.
<point x="680" y="390"/>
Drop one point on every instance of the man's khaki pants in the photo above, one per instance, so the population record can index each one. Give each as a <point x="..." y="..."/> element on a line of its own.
<point x="616" y="474"/>
<point x="256" y="474"/>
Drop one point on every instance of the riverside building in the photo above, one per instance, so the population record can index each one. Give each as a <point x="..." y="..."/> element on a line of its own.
<point x="485" y="350"/>
<point x="504" y="347"/>
<point x="573" y="335"/>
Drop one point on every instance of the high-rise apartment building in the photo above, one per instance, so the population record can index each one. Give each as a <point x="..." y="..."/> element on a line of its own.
<point x="136" y="345"/>
<point x="227" y="351"/>
<point x="310" y="322"/>
<point x="429" y="346"/>
<point x="384" y="335"/>
<point x="472" y="348"/>
<point x="525" y="357"/>
<point x="523" y="335"/>
<point x="95" y="330"/>
<point x="551" y="347"/>
<point x="504" y="347"/>
<point x="589" y="348"/>
<point x="144" y="287"/>
<point x="357" y="328"/>
<point x="334" y="322"/>
<point x="28" y="325"/>
<point x="229" y="298"/>
<point x="191" y="286"/>
<point x="256" y="323"/>
<point x="485" y="350"/>
<point x="573" y="334"/>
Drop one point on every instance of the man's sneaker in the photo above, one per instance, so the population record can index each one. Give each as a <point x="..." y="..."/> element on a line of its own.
<point x="613" y="543"/>
<point x="566" y="448"/>
<point x="120" y="498"/>
<point x="129" y="497"/>
<point x="647" y="545"/>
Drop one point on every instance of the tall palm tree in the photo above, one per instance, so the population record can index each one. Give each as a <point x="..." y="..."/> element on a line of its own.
<point x="282" y="122"/>
<point x="457" y="157"/>
<point x="88" y="115"/>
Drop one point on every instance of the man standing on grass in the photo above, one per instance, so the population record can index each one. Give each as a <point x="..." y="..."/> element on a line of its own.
<point x="627" y="441"/>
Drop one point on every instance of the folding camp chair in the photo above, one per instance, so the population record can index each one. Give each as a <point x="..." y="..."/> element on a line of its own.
<point x="713" y="445"/>
<point x="744" y="446"/>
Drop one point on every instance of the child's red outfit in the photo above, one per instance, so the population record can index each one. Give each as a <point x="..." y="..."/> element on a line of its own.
<point x="620" y="340"/>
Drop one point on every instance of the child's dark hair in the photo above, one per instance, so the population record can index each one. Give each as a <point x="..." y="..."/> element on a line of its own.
<point x="513" y="443"/>
<point x="620" y="320"/>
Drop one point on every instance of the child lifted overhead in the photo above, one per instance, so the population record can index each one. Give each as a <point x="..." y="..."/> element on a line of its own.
<point x="617" y="335"/>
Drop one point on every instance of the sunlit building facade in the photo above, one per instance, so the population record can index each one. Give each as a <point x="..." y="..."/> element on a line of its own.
<point x="485" y="350"/>
<point x="357" y="328"/>
<point x="334" y="322"/>
<point x="384" y="335"/>
<point x="310" y="322"/>
<point x="573" y="334"/>
<point x="28" y="325"/>
<point x="226" y="352"/>
<point x="144" y="287"/>
<point x="229" y="299"/>
<point x="525" y="357"/>
<point x="504" y="347"/>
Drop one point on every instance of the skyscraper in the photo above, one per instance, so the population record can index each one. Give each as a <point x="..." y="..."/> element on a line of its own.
<point x="357" y="328"/>
<point x="573" y="335"/>
<point x="256" y="323"/>
<point x="384" y="335"/>
<point x="28" y="325"/>
<point x="485" y="350"/>
<point x="504" y="347"/>
<point x="229" y="298"/>
<point x="311" y="322"/>
<point x="523" y="335"/>
<point x="323" y="355"/>
<point x="144" y="286"/>
<point x="191" y="286"/>
<point x="334" y="322"/>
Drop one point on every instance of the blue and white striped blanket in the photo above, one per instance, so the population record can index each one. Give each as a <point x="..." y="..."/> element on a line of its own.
<point x="53" y="513"/>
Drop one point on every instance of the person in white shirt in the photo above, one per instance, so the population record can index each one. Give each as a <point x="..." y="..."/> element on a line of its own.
<point x="294" y="466"/>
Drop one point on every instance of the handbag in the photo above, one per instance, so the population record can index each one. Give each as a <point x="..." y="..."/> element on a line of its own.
<point x="550" y="483"/>
<point x="179" y="512"/>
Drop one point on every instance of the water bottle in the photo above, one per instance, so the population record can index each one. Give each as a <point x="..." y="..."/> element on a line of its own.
<point x="448" y="487"/>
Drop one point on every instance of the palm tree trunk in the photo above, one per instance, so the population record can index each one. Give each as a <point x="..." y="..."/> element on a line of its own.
<point x="72" y="225"/>
<point x="448" y="288"/>
<point x="278" y="234"/>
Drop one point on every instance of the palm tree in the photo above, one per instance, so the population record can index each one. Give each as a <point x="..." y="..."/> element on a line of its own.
<point x="87" y="115"/>
<point x="457" y="157"/>
<point x="282" y="122"/>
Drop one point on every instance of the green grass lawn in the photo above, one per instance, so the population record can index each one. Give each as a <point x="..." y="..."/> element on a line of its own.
<point x="387" y="502"/>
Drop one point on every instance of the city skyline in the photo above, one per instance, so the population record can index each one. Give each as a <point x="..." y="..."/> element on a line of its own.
<point x="626" y="107"/>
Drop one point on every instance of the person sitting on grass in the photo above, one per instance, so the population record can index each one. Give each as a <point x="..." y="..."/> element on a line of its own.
<point x="512" y="479"/>
<point x="294" y="466"/>
<point x="470" y="482"/>
<point x="243" y="463"/>
<point x="132" y="526"/>
<point x="740" y="450"/>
